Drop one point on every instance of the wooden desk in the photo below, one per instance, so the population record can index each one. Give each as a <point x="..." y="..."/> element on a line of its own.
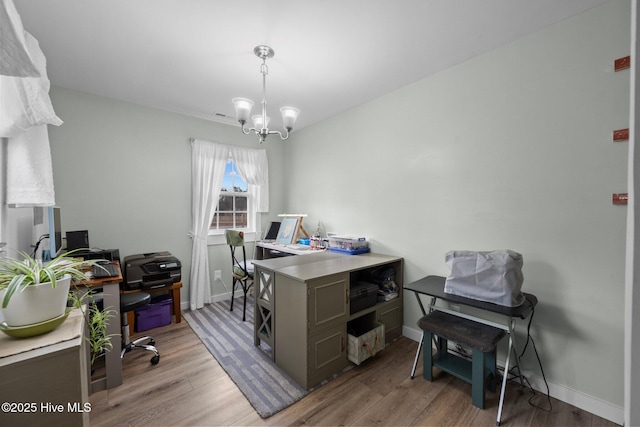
<point x="51" y="370"/>
<point x="174" y="291"/>
<point x="433" y="286"/>
<point x="111" y="299"/>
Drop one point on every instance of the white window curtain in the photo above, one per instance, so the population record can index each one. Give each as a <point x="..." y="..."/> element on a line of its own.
<point x="253" y="167"/>
<point x="208" y="162"/>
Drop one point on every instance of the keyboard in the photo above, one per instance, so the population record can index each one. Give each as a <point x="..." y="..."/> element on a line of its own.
<point x="105" y="270"/>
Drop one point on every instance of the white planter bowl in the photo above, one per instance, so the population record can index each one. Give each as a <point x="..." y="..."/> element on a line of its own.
<point x="37" y="303"/>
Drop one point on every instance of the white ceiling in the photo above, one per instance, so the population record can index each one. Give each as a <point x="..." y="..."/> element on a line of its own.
<point x="193" y="56"/>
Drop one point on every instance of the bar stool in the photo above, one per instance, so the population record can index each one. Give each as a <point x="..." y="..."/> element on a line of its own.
<point x="481" y="338"/>
<point x="130" y="302"/>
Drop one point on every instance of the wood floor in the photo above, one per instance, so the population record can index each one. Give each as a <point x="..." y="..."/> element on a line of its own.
<point x="189" y="388"/>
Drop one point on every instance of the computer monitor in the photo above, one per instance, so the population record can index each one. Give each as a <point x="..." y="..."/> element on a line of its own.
<point x="77" y="240"/>
<point x="55" y="231"/>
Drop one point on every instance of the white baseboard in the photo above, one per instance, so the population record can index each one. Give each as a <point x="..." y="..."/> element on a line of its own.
<point x="576" y="398"/>
<point x="185" y="305"/>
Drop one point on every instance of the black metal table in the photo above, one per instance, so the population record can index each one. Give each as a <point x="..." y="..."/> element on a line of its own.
<point x="433" y="286"/>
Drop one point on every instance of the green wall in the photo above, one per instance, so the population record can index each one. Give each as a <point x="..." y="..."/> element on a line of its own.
<point x="123" y="172"/>
<point x="509" y="150"/>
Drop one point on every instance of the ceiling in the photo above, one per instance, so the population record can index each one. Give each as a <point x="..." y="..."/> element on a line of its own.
<point x="193" y="56"/>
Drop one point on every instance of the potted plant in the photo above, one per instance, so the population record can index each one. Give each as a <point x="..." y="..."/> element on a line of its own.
<point x="34" y="292"/>
<point x="97" y="320"/>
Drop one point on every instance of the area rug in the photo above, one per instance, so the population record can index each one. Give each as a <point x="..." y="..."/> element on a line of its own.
<point x="230" y="341"/>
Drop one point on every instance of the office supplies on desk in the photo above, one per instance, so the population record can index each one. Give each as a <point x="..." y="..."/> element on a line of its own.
<point x="298" y="247"/>
<point x="349" y="244"/>
<point x="105" y="270"/>
<point x="95" y="253"/>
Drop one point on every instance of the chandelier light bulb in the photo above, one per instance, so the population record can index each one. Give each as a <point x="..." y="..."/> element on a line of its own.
<point x="243" y="109"/>
<point x="289" y="116"/>
<point x="257" y="122"/>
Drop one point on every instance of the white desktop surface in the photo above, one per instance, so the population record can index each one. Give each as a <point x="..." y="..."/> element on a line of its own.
<point x="293" y="248"/>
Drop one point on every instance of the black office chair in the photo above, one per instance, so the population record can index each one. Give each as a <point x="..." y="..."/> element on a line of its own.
<point x="130" y="302"/>
<point x="242" y="269"/>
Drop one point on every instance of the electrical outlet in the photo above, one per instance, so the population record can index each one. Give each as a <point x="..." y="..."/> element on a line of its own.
<point x="217" y="275"/>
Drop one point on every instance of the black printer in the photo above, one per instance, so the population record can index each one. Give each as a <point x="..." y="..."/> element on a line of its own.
<point x="151" y="271"/>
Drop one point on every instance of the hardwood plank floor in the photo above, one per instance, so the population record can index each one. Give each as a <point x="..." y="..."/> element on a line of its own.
<point x="189" y="388"/>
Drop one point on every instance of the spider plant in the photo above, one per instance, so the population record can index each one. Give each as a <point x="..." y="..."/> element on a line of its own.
<point x="17" y="274"/>
<point x="97" y="321"/>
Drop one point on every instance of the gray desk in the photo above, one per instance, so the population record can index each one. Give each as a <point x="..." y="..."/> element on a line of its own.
<point x="49" y="373"/>
<point x="302" y="309"/>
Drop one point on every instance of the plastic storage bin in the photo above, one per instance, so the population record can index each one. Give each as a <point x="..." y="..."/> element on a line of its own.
<point x="156" y="314"/>
<point x="347" y="242"/>
<point x="362" y="295"/>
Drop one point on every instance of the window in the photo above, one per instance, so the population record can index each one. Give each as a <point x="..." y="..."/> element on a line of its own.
<point x="233" y="210"/>
<point x="241" y="193"/>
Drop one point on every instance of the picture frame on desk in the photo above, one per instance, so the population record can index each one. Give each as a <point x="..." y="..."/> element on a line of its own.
<point x="288" y="230"/>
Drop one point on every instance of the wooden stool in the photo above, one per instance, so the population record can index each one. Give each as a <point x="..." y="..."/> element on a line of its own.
<point x="481" y="338"/>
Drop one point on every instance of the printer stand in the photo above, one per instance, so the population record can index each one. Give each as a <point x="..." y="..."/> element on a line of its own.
<point x="174" y="291"/>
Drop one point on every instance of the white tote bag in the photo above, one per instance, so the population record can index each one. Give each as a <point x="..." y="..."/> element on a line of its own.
<point x="491" y="276"/>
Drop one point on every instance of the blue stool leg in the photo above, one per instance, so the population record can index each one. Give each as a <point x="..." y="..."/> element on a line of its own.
<point x="427" y="358"/>
<point x="490" y="368"/>
<point x="442" y="352"/>
<point x="477" y="378"/>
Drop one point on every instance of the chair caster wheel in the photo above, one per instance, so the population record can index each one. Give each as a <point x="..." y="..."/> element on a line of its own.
<point x="152" y="342"/>
<point x="155" y="360"/>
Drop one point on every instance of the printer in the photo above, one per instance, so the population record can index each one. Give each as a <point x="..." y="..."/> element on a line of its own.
<point x="151" y="271"/>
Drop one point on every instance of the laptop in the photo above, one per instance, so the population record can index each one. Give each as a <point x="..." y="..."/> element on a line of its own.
<point x="272" y="233"/>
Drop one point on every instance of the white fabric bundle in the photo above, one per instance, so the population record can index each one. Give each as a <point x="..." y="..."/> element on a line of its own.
<point x="14" y="58"/>
<point x="24" y="101"/>
<point x="491" y="276"/>
<point x="25" y="112"/>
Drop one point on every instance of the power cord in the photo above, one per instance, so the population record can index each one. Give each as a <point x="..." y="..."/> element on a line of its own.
<point x="533" y="392"/>
<point x="37" y="245"/>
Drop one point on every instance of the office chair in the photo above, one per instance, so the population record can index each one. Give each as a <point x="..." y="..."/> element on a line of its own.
<point x="130" y="302"/>
<point x="242" y="269"/>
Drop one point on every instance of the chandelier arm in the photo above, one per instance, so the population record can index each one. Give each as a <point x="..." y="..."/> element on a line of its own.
<point x="246" y="131"/>
<point x="277" y="132"/>
<point x="264" y="70"/>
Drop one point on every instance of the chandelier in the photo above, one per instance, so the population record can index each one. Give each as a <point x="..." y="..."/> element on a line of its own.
<point x="261" y="121"/>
